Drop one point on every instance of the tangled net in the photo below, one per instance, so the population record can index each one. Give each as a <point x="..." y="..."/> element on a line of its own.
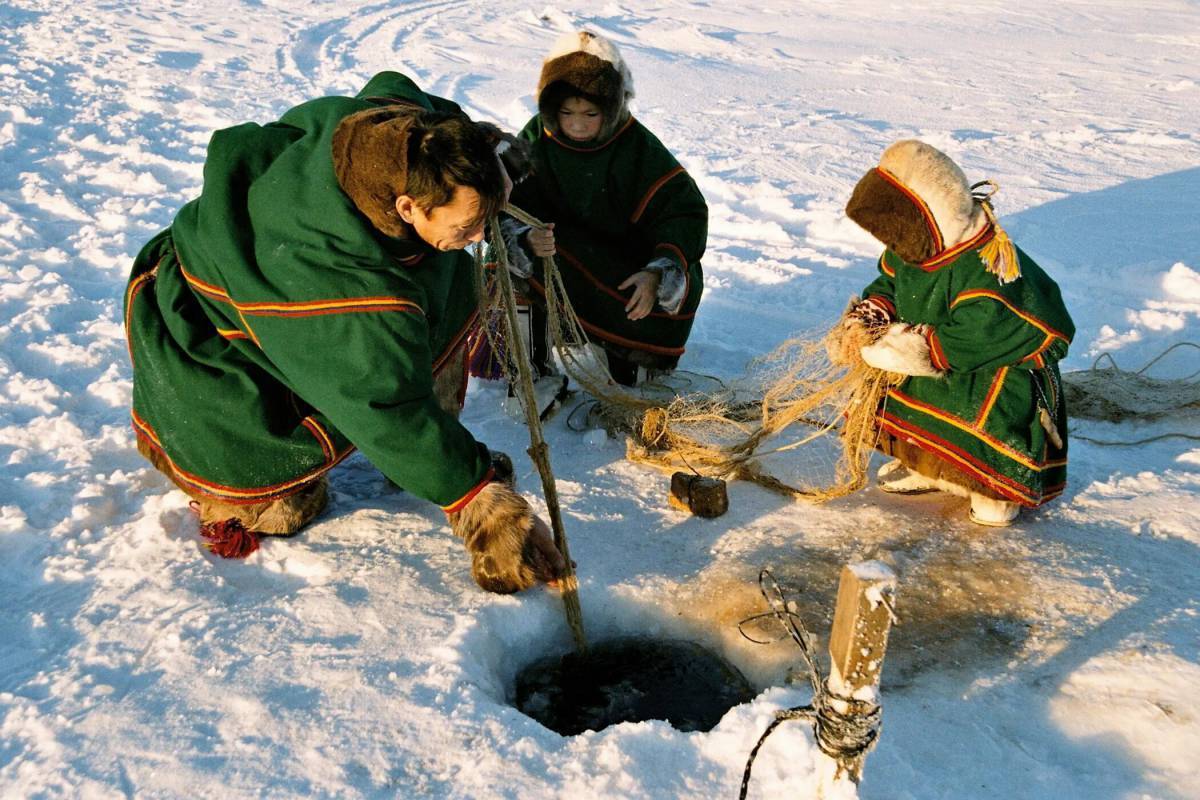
<point x="722" y="432"/>
<point x="1113" y="394"/>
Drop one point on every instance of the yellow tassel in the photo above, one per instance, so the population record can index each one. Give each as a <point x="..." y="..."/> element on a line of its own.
<point x="1000" y="254"/>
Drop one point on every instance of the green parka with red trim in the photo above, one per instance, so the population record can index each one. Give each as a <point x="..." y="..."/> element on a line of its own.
<point x="272" y="328"/>
<point x="616" y="204"/>
<point x="999" y="345"/>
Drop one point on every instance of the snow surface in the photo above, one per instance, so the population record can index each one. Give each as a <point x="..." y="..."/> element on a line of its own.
<point x="1059" y="658"/>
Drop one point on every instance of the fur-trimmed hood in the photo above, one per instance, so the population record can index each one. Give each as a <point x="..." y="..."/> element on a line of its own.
<point x="370" y="159"/>
<point x="917" y="202"/>
<point x="584" y="64"/>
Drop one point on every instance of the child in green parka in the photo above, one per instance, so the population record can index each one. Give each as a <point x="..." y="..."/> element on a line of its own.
<point x="975" y="327"/>
<point x="627" y="224"/>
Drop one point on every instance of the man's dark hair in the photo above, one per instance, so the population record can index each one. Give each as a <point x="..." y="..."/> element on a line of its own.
<point x="446" y="150"/>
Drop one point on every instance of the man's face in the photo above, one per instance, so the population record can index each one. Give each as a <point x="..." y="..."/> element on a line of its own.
<point x="452" y="226"/>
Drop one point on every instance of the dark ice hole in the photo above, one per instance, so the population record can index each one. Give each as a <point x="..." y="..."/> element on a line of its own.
<point x="631" y="679"/>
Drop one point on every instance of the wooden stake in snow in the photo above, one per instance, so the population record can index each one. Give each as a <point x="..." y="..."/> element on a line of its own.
<point x="857" y="644"/>
<point x="844" y="711"/>
<point x="861" y="622"/>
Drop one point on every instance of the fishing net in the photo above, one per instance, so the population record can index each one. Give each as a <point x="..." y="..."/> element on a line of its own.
<point x="791" y="398"/>
<point x="1115" y="395"/>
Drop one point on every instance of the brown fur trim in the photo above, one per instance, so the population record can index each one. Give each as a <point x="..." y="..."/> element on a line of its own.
<point x="282" y="516"/>
<point x="584" y="75"/>
<point x="940" y="183"/>
<point x="886" y="213"/>
<point x="929" y="465"/>
<point x="370" y="159"/>
<point x="495" y="527"/>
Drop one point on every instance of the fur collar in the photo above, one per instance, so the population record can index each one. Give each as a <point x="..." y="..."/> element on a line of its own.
<point x="370" y="159"/>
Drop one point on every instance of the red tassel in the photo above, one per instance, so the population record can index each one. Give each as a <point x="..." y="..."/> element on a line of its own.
<point x="229" y="538"/>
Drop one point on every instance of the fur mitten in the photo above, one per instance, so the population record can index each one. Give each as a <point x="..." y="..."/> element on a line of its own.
<point x="672" y="283"/>
<point x="496" y="527"/>
<point x="904" y="349"/>
<point x="861" y="324"/>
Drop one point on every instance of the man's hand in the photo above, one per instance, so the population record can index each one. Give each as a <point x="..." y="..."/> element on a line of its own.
<point x="541" y="241"/>
<point x="548" y="564"/>
<point x="645" y="293"/>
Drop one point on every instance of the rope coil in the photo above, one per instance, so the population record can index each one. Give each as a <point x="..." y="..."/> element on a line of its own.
<point x="844" y="728"/>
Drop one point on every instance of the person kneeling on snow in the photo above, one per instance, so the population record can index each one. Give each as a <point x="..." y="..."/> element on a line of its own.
<point x="629" y="224"/>
<point x="315" y="298"/>
<point x="977" y="327"/>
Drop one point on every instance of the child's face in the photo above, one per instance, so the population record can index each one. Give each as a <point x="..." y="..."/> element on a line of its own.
<point x="579" y="119"/>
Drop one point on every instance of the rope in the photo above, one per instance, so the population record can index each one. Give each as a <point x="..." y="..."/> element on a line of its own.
<point x="845" y="729"/>
<point x="719" y="432"/>
<point x="1114" y="394"/>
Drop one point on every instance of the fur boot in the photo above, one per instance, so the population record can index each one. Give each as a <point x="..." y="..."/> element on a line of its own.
<point x="280" y="517"/>
<point x="496" y="527"/>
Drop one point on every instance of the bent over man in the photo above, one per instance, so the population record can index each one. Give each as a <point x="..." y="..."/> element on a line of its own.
<point x="314" y="299"/>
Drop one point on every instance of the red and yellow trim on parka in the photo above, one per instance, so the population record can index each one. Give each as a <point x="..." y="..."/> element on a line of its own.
<point x="461" y="503"/>
<point x="653" y="190"/>
<point x="1044" y="327"/>
<point x="1001" y="484"/>
<point x="967" y="427"/>
<point x="885" y="269"/>
<point x="950" y="255"/>
<point x="579" y="148"/>
<point x="309" y="308"/>
<point x="989" y="401"/>
<point x="883" y="304"/>
<point x="937" y="356"/>
<point x="131" y="293"/>
<point x="576" y="264"/>
<point x="608" y="336"/>
<point x="237" y="495"/>
<point x="442" y="360"/>
<point x="1036" y="355"/>
<point x="930" y="220"/>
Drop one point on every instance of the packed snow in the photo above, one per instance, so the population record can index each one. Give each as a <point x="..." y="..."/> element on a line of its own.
<point x="1058" y="658"/>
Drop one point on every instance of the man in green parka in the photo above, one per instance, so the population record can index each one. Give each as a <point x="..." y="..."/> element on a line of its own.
<point x="629" y="225"/>
<point x="314" y="299"/>
<point x="977" y="327"/>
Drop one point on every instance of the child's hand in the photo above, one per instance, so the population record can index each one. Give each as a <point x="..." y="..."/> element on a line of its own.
<point x="645" y="293"/>
<point x="541" y="240"/>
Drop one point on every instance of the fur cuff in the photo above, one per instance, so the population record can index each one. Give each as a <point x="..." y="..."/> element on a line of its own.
<point x="672" y="283"/>
<point x="495" y="526"/>
<point x="519" y="263"/>
<point x="904" y="349"/>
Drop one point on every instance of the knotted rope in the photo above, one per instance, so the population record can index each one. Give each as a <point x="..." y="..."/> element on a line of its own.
<point x="845" y="729"/>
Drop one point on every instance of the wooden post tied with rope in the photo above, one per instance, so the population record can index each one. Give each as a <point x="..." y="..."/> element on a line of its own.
<point x="858" y="640"/>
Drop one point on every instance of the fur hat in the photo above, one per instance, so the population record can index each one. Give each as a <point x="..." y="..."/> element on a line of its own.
<point x="584" y="64"/>
<point x="370" y="159"/>
<point x="917" y="202"/>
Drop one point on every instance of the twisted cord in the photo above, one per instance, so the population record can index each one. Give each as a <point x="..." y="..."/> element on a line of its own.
<point x="845" y="729"/>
